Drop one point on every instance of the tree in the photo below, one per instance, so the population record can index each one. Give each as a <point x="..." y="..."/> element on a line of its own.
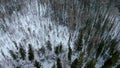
<point x="59" y="65"/>
<point x="13" y="54"/>
<point x="37" y="64"/>
<point x="111" y="61"/>
<point x="74" y="63"/>
<point x="30" y="53"/>
<point x="58" y="49"/>
<point x="90" y="64"/>
<point x="69" y="53"/>
<point x="22" y="52"/>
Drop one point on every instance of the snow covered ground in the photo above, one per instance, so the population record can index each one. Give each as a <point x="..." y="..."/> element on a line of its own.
<point x="31" y="27"/>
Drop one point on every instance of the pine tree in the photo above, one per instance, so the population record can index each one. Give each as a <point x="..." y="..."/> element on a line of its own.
<point x="37" y="64"/>
<point x="13" y="54"/>
<point x="69" y="53"/>
<point x="30" y="53"/>
<point x="90" y="64"/>
<point x="59" y="65"/>
<point x="22" y="52"/>
<point x="111" y="61"/>
<point x="118" y="66"/>
<point x="74" y="63"/>
<point x="58" y="49"/>
<point x="78" y="43"/>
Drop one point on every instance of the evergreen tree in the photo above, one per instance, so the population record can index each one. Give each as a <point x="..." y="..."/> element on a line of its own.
<point x="22" y="52"/>
<point x="118" y="66"/>
<point x="90" y="64"/>
<point x="111" y="61"/>
<point x="59" y="65"/>
<point x="69" y="53"/>
<point x="58" y="49"/>
<point x="37" y="64"/>
<point x="30" y="53"/>
<point x="74" y="63"/>
<point x="13" y="54"/>
<point x="78" y="43"/>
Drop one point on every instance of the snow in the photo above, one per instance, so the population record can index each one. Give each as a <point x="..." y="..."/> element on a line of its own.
<point x="32" y="27"/>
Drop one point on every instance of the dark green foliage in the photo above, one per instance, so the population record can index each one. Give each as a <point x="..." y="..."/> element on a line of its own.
<point x="78" y="62"/>
<point x="75" y="63"/>
<point x="30" y="53"/>
<point x="81" y="58"/>
<point x="111" y="61"/>
<point x="58" y="49"/>
<point x="100" y="47"/>
<point x="49" y="46"/>
<point x="69" y="53"/>
<point x="13" y="54"/>
<point x="90" y="64"/>
<point x="22" y="52"/>
<point x="118" y="66"/>
<point x="107" y="64"/>
<point x="59" y="65"/>
<point x="78" y="43"/>
<point x="37" y="64"/>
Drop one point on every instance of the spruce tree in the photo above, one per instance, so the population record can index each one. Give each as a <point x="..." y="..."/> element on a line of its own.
<point x="58" y="49"/>
<point x="22" y="52"/>
<point x="30" y="53"/>
<point x="69" y="53"/>
<point x="90" y="64"/>
<point x="74" y="63"/>
<point x="37" y="64"/>
<point x="13" y="54"/>
<point x="59" y="65"/>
